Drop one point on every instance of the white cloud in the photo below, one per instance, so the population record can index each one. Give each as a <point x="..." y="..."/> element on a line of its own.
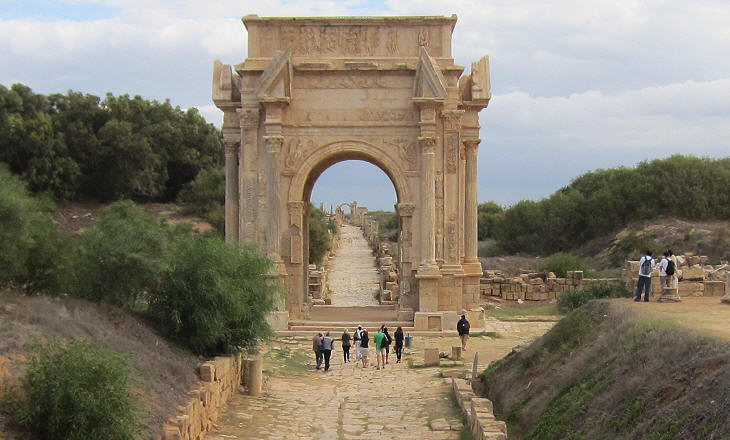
<point x="577" y="85"/>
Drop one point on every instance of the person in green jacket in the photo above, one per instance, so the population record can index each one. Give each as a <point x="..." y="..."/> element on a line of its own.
<point x="380" y="339"/>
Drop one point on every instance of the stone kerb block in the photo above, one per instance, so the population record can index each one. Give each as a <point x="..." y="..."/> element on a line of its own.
<point x="430" y="356"/>
<point x="207" y="372"/>
<point x="714" y="288"/>
<point x="456" y="353"/>
<point x="691" y="288"/>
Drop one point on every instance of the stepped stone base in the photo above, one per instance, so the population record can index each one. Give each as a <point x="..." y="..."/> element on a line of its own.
<point x="669" y="294"/>
<point x="278" y="320"/>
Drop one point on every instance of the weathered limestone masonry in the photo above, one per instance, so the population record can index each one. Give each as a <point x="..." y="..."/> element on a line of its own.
<point x="478" y="412"/>
<point x="317" y="91"/>
<point x="219" y="380"/>
<point x="535" y="286"/>
<point x="694" y="277"/>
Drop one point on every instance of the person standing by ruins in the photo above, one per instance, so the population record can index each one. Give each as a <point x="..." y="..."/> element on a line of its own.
<point x="462" y="327"/>
<point x="356" y="338"/>
<point x="364" y="341"/>
<point x="328" y="344"/>
<point x="346" y="345"/>
<point x="398" y="343"/>
<point x="317" y="348"/>
<point x="646" y="265"/>
<point x="380" y="339"/>
<point x="666" y="268"/>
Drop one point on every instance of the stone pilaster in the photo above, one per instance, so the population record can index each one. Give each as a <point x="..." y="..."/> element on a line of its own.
<point x="471" y="147"/>
<point x="452" y="247"/>
<point x="247" y="171"/>
<point x="231" y="208"/>
<point x="273" y="227"/>
<point x="428" y="239"/>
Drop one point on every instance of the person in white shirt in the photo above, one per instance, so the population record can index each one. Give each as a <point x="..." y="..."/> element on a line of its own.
<point x="646" y="265"/>
<point x="665" y="268"/>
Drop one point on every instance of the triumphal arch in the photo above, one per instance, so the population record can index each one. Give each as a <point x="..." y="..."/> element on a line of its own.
<point x="317" y="91"/>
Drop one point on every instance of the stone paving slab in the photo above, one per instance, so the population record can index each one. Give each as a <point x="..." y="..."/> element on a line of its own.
<point x="353" y="278"/>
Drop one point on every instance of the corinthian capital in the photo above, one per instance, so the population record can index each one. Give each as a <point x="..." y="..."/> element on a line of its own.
<point x="273" y="143"/>
<point x="428" y="144"/>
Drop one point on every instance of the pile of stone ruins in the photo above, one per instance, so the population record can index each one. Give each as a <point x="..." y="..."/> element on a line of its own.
<point x="534" y="286"/>
<point x="694" y="277"/>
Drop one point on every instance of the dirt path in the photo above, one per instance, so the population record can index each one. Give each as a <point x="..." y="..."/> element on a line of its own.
<point x="349" y="402"/>
<point x="353" y="278"/>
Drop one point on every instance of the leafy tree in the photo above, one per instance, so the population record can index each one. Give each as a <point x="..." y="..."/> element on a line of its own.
<point x="214" y="297"/>
<point x="205" y="196"/>
<point x="488" y="214"/>
<point x="33" y="253"/>
<point x="77" y="145"/>
<point x="122" y="257"/>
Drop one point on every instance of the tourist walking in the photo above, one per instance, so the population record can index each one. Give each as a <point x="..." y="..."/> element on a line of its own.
<point x="328" y="344"/>
<point x="380" y="347"/>
<point x="462" y="327"/>
<point x="398" y="343"/>
<point x="364" y="342"/>
<point x="387" y="343"/>
<point x="356" y="338"/>
<point x="317" y="348"/>
<point x="646" y="265"/>
<point x="346" y="345"/>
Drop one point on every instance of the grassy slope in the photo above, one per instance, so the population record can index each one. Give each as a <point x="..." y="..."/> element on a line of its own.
<point x="605" y="373"/>
<point x="162" y="374"/>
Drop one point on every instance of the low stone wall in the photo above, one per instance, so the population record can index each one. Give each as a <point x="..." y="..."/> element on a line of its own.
<point x="478" y="412"/>
<point x="538" y="286"/>
<point x="219" y="380"/>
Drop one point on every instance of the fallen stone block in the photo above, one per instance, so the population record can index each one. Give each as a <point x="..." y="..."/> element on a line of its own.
<point x="430" y="356"/>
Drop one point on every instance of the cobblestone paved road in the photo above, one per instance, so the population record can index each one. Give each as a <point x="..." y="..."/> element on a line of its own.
<point x="353" y="278"/>
<point x="350" y="402"/>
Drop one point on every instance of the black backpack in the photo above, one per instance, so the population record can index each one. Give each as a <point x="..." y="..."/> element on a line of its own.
<point x="670" y="268"/>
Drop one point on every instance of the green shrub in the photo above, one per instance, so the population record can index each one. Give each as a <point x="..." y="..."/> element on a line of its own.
<point x="214" y="297"/>
<point x="33" y="253"/>
<point x="319" y="237"/>
<point x="560" y="263"/>
<point x="571" y="300"/>
<point x="77" y="391"/>
<point x="122" y="257"/>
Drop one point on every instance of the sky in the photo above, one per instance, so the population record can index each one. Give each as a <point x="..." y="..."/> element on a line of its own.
<point x="577" y="85"/>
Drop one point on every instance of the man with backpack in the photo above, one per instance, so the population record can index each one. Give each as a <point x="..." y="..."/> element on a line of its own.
<point x="646" y="265"/>
<point x="667" y="268"/>
<point x="462" y="327"/>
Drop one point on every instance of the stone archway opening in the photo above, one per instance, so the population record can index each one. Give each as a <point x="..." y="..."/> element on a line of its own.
<point x="353" y="274"/>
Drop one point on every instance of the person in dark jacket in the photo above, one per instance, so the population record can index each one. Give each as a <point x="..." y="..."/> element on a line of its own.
<point x="317" y="348"/>
<point x="346" y="345"/>
<point x="462" y="327"/>
<point x="398" y="343"/>
<point x="386" y="343"/>
<point x="364" y="347"/>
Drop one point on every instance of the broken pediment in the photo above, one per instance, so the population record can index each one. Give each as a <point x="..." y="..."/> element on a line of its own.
<point x="225" y="83"/>
<point x="275" y="82"/>
<point x="429" y="81"/>
<point x="476" y="87"/>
